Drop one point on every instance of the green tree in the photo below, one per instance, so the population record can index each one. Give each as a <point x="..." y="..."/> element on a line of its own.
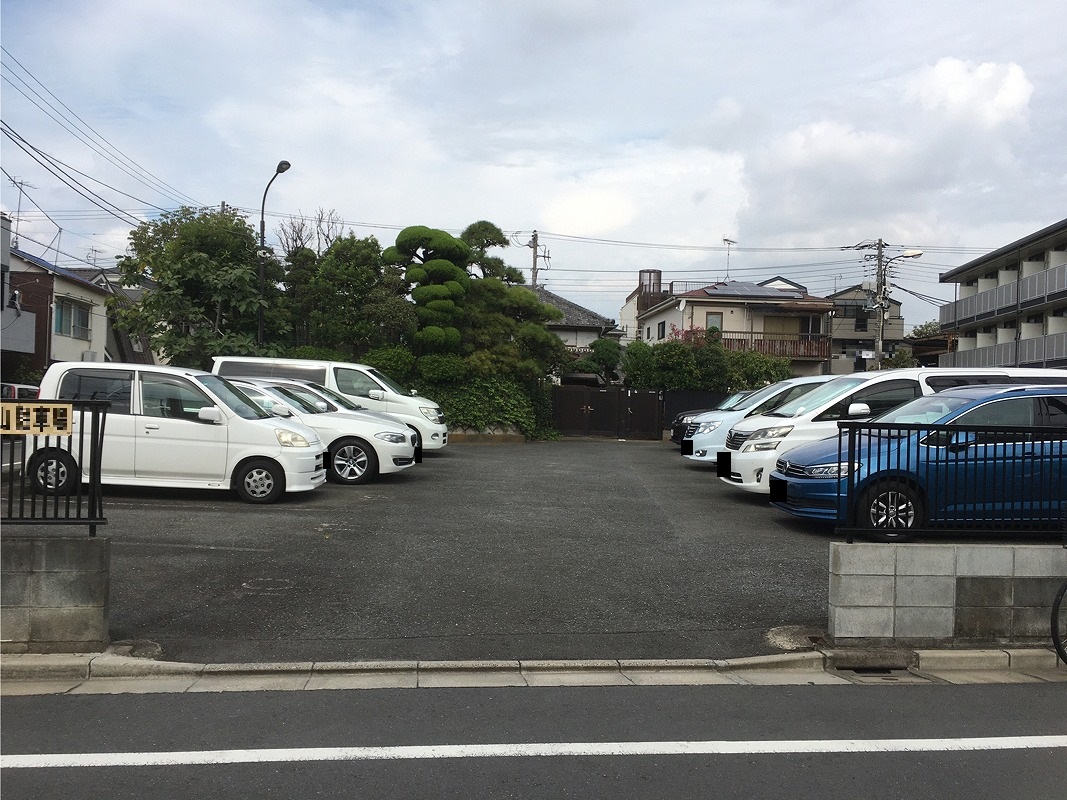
<point x="480" y="236"/>
<point x="930" y="328"/>
<point x="899" y="360"/>
<point x="639" y="366"/>
<point x="354" y="301"/>
<point x="199" y="275"/>
<point x="603" y="360"/>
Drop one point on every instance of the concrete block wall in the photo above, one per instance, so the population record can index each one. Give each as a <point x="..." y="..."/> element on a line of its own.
<point x="934" y="595"/>
<point x="54" y="594"/>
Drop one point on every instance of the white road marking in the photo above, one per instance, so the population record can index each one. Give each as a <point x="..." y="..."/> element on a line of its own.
<point x="531" y="750"/>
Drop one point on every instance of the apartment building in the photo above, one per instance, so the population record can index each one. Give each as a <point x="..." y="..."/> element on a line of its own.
<point x="1012" y="305"/>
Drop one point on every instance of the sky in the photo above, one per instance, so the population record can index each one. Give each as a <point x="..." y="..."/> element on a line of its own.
<point x="629" y="135"/>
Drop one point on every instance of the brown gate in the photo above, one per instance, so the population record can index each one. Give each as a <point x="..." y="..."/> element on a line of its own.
<point x="609" y="411"/>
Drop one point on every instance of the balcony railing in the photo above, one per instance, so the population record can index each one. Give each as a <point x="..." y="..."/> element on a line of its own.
<point x="812" y="346"/>
<point x="1033" y="290"/>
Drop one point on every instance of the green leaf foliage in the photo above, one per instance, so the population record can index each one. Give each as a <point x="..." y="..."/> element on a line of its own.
<point x="397" y="362"/>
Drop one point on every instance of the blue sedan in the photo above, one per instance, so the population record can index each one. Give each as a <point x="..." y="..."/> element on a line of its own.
<point x="1004" y="465"/>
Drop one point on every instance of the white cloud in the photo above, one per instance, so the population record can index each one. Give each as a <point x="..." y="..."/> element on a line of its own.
<point x="988" y="95"/>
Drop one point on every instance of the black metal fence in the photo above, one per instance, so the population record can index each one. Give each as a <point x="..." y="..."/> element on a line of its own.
<point x="936" y="477"/>
<point x="51" y="456"/>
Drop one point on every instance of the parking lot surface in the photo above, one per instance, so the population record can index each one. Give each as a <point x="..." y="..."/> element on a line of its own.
<point x="571" y="549"/>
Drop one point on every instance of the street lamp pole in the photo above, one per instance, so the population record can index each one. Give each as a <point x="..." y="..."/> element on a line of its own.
<point x="262" y="253"/>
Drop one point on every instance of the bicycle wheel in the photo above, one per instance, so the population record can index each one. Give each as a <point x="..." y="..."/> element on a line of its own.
<point x="1059" y="623"/>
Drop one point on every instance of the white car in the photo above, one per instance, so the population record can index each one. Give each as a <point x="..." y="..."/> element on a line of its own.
<point x="706" y="434"/>
<point x="360" y="446"/>
<point x="753" y="445"/>
<point x="178" y="428"/>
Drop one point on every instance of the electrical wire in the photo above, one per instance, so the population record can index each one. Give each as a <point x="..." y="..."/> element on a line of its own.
<point x="142" y="175"/>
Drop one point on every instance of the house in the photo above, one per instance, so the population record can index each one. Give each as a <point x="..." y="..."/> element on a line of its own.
<point x="53" y="314"/>
<point x="579" y="327"/>
<point x="854" y="330"/>
<point x="776" y="317"/>
<point x="1012" y="306"/>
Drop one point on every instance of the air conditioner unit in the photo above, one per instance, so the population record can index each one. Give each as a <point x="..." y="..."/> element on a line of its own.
<point x="90" y="355"/>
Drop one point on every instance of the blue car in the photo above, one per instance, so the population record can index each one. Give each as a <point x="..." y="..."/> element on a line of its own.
<point x="911" y="468"/>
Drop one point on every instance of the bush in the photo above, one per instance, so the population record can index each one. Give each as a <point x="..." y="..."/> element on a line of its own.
<point x="485" y="402"/>
<point x="396" y="362"/>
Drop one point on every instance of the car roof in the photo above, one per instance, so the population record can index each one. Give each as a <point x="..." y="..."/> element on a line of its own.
<point x="116" y="366"/>
<point x="980" y="390"/>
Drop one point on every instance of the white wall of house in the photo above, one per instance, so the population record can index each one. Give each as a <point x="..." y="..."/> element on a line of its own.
<point x="71" y="339"/>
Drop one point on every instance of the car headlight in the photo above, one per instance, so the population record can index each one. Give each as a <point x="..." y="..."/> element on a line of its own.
<point x="838" y="470"/>
<point x="766" y="439"/>
<point x="288" y="438"/>
<point x="432" y="414"/>
<point x="685" y="419"/>
<point x="389" y="436"/>
<point x="708" y="427"/>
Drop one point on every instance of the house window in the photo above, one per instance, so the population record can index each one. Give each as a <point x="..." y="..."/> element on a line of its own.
<point x="72" y="319"/>
<point x="713" y="320"/>
<point x="661" y="330"/>
<point x="648" y="334"/>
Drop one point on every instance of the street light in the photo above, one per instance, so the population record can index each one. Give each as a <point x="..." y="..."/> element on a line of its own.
<point x="282" y="167"/>
<point x="882" y="294"/>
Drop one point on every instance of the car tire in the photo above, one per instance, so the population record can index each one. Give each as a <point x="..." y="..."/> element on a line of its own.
<point x="53" y="472"/>
<point x="893" y="509"/>
<point x="352" y="461"/>
<point x="259" y="481"/>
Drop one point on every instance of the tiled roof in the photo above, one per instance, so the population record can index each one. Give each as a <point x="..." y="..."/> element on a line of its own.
<point x="574" y="315"/>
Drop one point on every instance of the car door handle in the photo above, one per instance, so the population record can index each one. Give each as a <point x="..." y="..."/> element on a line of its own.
<point x="151" y="426"/>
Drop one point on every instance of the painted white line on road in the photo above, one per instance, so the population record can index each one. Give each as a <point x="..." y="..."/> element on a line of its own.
<point x="532" y="750"/>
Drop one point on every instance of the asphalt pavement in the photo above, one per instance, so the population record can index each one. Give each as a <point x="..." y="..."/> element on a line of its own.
<point x="599" y="559"/>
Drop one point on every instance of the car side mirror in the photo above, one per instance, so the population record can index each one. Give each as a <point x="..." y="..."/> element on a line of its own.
<point x="210" y="414"/>
<point x="321" y="405"/>
<point x="376" y="394"/>
<point x="961" y="440"/>
<point x="413" y="392"/>
<point x="859" y="410"/>
<point x="281" y="410"/>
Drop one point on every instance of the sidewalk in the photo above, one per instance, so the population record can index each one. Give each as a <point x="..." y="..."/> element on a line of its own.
<point x="116" y="672"/>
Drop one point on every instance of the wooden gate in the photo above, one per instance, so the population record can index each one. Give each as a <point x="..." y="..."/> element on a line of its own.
<point x="609" y="411"/>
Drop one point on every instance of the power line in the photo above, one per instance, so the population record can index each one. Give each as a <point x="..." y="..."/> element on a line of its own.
<point x="143" y="176"/>
<point x="84" y="191"/>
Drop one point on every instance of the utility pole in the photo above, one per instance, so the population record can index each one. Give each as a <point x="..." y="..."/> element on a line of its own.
<point x="533" y="273"/>
<point x="880" y="305"/>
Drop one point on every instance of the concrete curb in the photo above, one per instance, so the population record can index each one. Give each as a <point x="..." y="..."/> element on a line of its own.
<point x="111" y="665"/>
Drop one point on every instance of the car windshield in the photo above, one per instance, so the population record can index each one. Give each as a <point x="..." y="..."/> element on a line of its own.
<point x="381" y="378"/>
<point x="234" y="399"/>
<point x="761" y="396"/>
<point x="731" y="401"/>
<point x="295" y="400"/>
<point x="816" y="398"/>
<point x="923" y="410"/>
<point x="308" y="394"/>
<point x="337" y="398"/>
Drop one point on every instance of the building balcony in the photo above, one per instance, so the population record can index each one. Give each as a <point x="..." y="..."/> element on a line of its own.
<point x="794" y="346"/>
<point x="1041" y="351"/>
<point x="1048" y="286"/>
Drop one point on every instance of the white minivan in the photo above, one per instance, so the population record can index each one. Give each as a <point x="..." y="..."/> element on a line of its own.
<point x="366" y="385"/>
<point x="178" y="428"/>
<point x="753" y="445"/>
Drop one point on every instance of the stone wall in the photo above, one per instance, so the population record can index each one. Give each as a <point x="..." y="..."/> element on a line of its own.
<point x="54" y="594"/>
<point x="931" y="595"/>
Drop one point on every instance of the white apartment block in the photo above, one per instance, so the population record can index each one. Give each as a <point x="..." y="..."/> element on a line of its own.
<point x="1012" y="306"/>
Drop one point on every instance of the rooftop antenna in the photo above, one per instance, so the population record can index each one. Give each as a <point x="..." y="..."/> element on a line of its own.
<point x="728" y="243"/>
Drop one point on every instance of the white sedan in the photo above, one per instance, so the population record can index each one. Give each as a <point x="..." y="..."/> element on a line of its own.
<point x="361" y="446"/>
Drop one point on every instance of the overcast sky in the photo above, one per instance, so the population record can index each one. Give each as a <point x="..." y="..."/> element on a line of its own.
<point x="631" y="135"/>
